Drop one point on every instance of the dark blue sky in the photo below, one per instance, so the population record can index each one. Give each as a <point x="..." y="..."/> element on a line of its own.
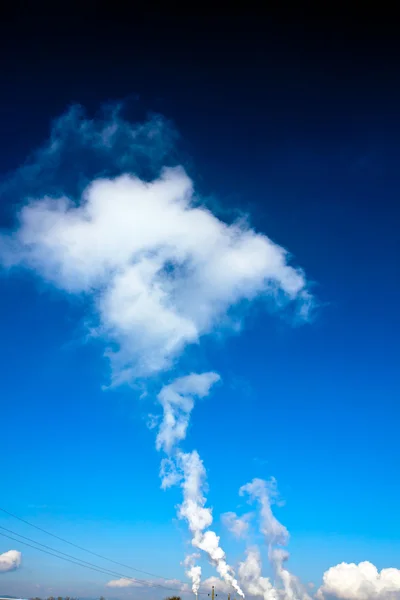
<point x="295" y="121"/>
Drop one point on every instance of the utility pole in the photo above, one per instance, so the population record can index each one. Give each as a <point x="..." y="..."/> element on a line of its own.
<point x="213" y="594"/>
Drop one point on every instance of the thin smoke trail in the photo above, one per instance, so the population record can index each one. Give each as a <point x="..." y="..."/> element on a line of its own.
<point x="276" y="535"/>
<point x="177" y="401"/>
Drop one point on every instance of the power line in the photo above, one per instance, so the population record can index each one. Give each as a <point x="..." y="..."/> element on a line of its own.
<point x="70" y="557"/>
<point x="81" y="562"/>
<point x="85" y="564"/>
<point x="80" y="547"/>
<point x="47" y="552"/>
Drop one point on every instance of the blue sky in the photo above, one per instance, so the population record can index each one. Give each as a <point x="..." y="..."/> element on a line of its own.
<point x="313" y="162"/>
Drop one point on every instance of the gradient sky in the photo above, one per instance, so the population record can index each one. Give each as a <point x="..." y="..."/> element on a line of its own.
<point x="299" y="128"/>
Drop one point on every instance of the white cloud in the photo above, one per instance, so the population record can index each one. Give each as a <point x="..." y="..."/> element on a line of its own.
<point x="349" y="581"/>
<point x="124" y="582"/>
<point x="177" y="401"/>
<point x="239" y="526"/>
<point x="174" y="585"/>
<point x="9" y="561"/>
<point x="160" y="269"/>
<point x="219" y="584"/>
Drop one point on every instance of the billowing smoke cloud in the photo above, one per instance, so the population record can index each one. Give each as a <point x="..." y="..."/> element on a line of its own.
<point x="360" y="582"/>
<point x="160" y="269"/>
<point x="9" y="561"/>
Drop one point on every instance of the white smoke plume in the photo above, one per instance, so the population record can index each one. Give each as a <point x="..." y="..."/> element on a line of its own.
<point x="276" y="534"/>
<point x="193" y="571"/>
<point x="349" y="581"/>
<point x="177" y="401"/>
<point x="264" y="493"/>
<point x="209" y="543"/>
<point x="199" y="518"/>
<point x="169" y="473"/>
<point x="251" y="578"/>
<point x="292" y="587"/>
<point x="239" y="526"/>
<point x="9" y="561"/>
